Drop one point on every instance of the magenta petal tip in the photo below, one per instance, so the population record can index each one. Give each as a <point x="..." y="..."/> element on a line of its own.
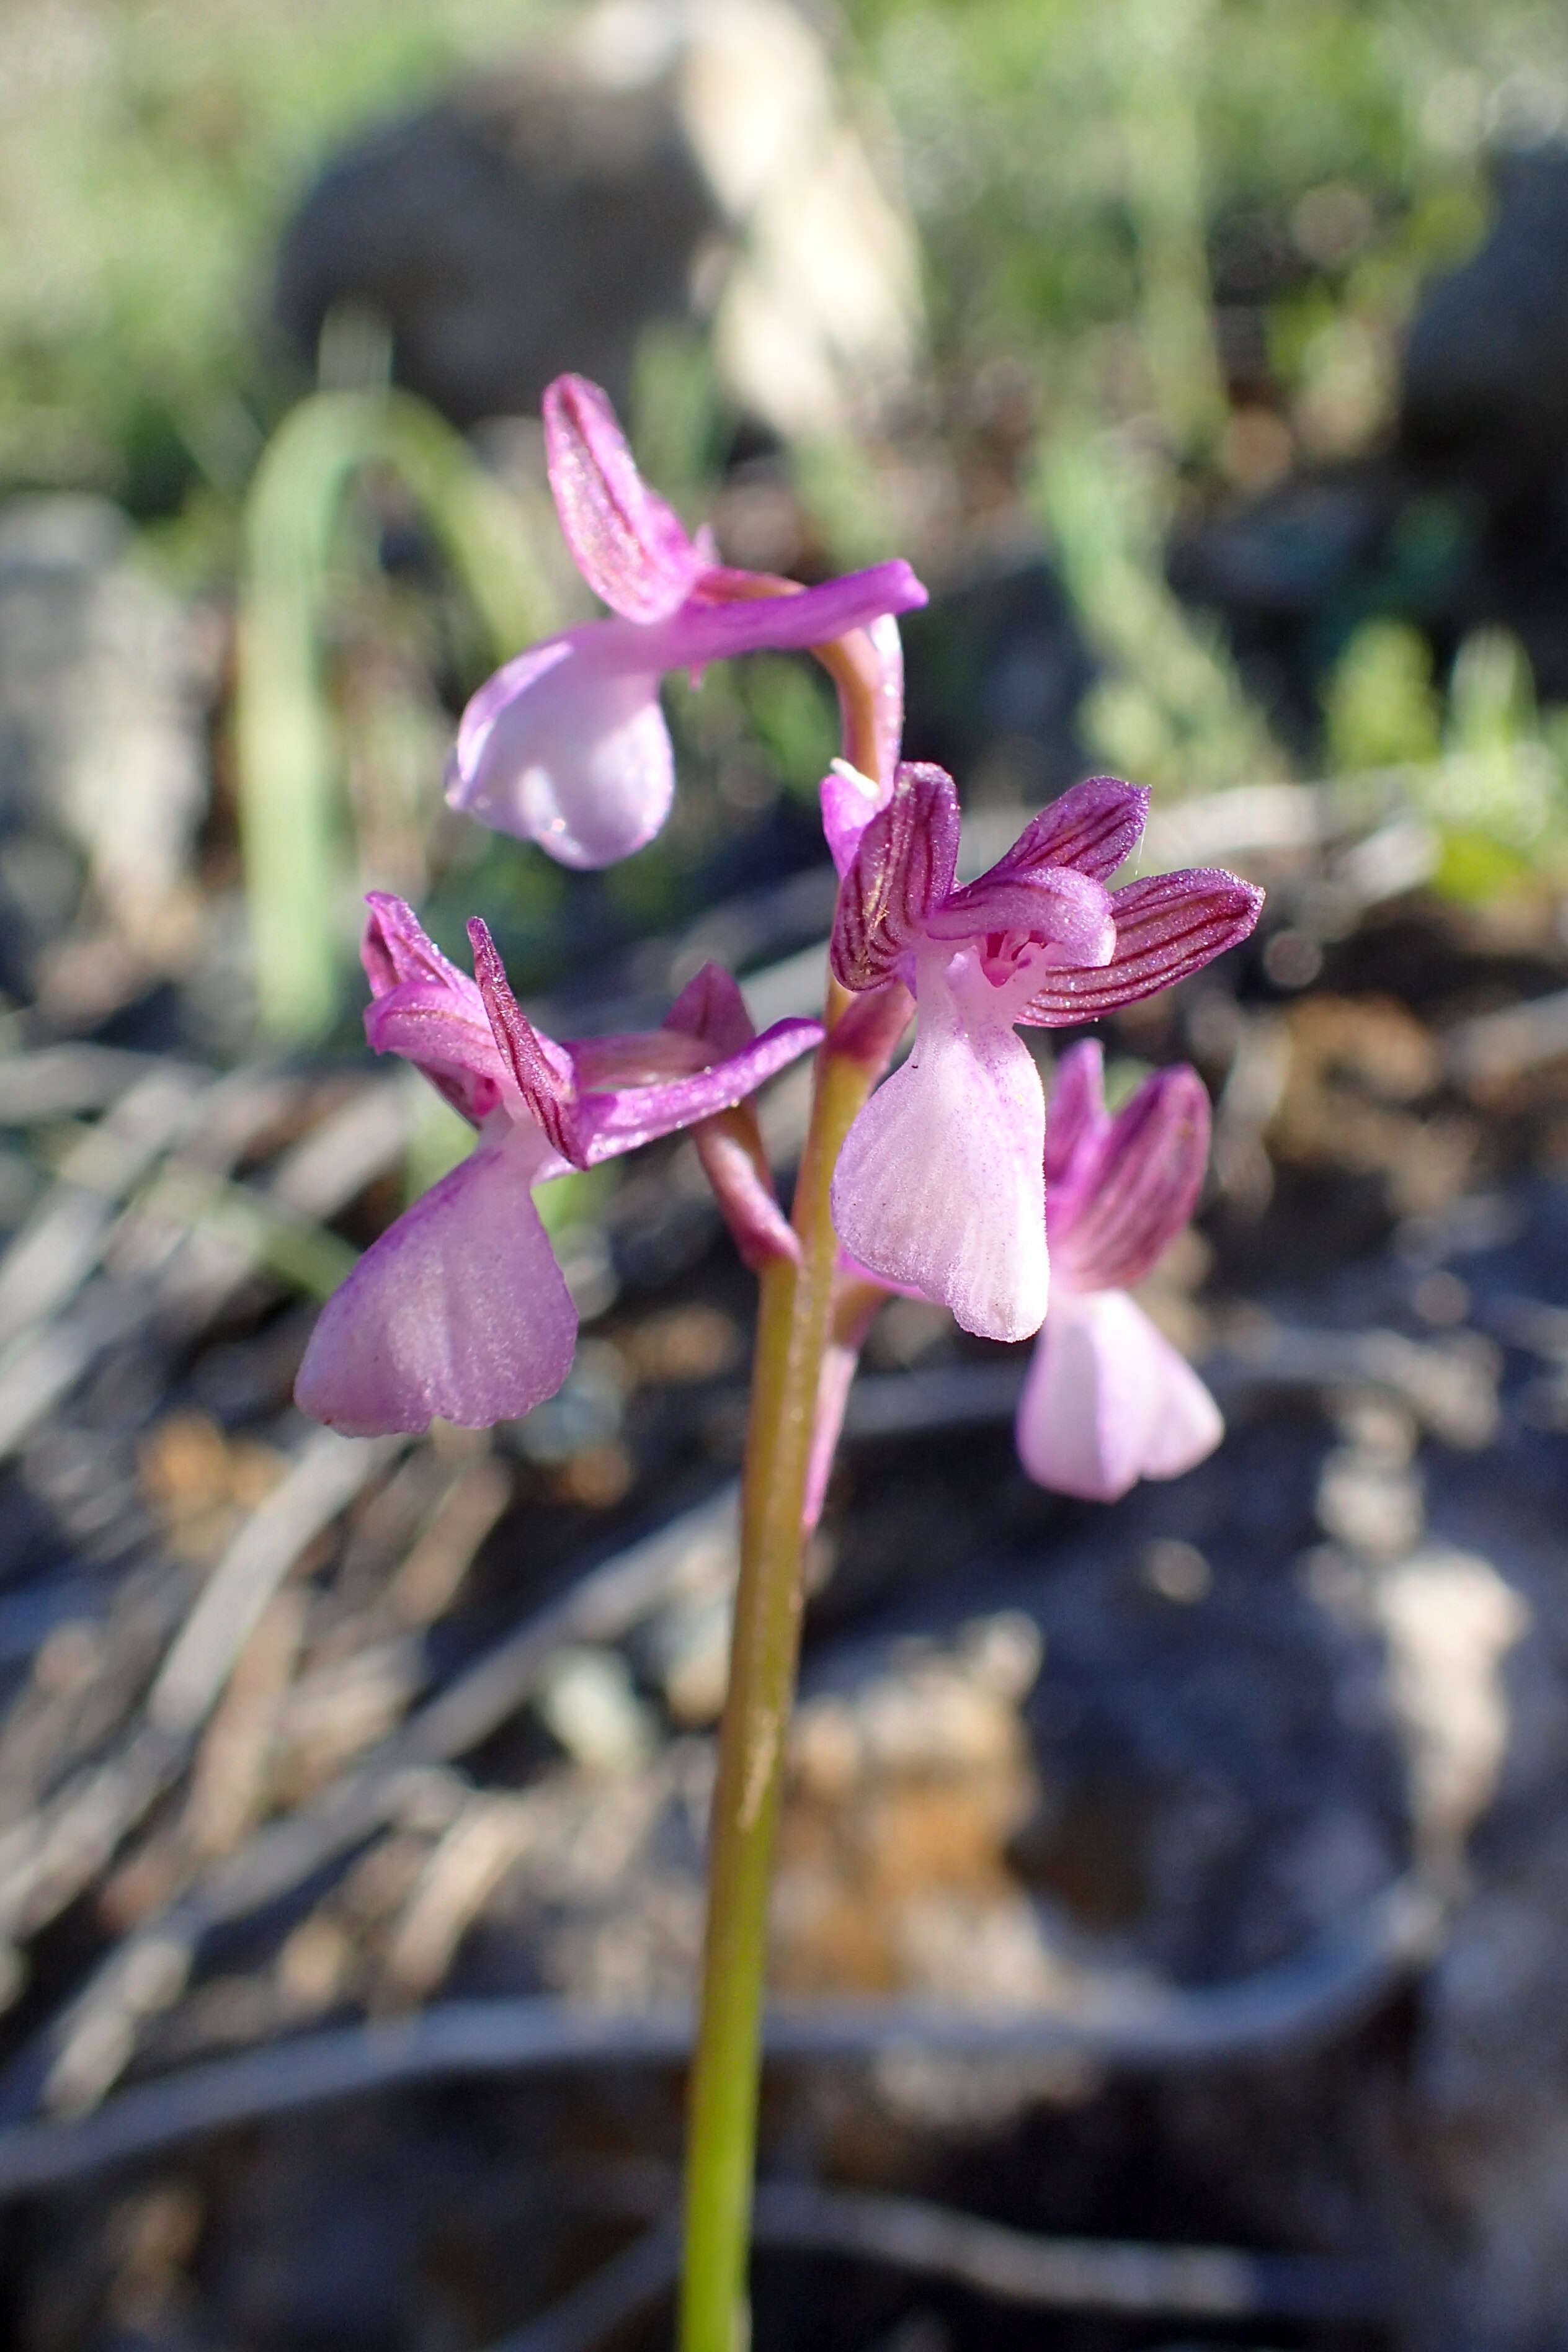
<point x="630" y="547"/>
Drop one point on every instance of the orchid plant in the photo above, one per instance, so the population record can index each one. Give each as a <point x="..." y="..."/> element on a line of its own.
<point x="944" y="1179"/>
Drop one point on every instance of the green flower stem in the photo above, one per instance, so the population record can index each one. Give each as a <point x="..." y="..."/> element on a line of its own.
<point x="793" y="1332"/>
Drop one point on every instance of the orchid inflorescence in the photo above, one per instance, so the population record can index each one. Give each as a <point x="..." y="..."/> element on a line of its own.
<point x="950" y="1184"/>
<point x="945" y="1179"/>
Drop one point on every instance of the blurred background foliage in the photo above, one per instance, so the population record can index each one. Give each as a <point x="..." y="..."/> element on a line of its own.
<point x="1168" y="256"/>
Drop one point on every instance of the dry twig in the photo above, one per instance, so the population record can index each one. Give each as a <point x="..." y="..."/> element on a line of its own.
<point x="1128" y="2022"/>
<point x="101" y="2023"/>
<point x="1137" y="2279"/>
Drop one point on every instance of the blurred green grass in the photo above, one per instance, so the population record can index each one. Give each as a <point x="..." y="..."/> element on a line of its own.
<point x="152" y="153"/>
<point x="1068" y="165"/>
<point x="1101" y="195"/>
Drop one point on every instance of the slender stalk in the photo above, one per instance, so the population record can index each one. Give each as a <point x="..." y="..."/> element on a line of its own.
<point x="794" y="1327"/>
<point x="793" y="1333"/>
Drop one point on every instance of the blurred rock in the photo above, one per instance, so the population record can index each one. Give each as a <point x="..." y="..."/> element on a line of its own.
<point x="1477" y="1621"/>
<point x="1219" y="1779"/>
<point x="476" y="228"/>
<point x="996" y="667"/>
<point x="1491" y="2064"/>
<point x="1487" y="353"/>
<point x="910" y="1771"/>
<point x="102" y="766"/>
<point x="650" y="159"/>
<point x="1450" y="1620"/>
<point x="1482" y="412"/>
<point x="1291" y="574"/>
<point x="1464" y="522"/>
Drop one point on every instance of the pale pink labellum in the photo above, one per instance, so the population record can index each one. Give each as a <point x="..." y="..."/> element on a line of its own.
<point x="460" y="1310"/>
<point x="1107" y="1399"/>
<point x="939" y="1185"/>
<point x="566" y="746"/>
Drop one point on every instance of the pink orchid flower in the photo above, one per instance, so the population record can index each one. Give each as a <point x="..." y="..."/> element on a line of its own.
<point x="1107" y="1399"/>
<point x="567" y="746"/>
<point x="460" y="1310"/>
<point x="939" y="1185"/>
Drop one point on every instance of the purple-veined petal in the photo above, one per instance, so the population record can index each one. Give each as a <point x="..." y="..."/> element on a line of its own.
<point x="458" y="1311"/>
<point x="429" y="1012"/>
<point x="1076" y="1116"/>
<point x="1065" y="913"/>
<point x="1109" y="1400"/>
<point x="711" y="1008"/>
<point x="541" y="1070"/>
<point x="1166" y="927"/>
<point x="939" y="1185"/>
<point x="631" y="548"/>
<point x="903" y="867"/>
<point x="566" y="746"/>
<point x="1093" y="827"/>
<point x="849" y="801"/>
<point x="603" y="1125"/>
<point x="1133" y="1187"/>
